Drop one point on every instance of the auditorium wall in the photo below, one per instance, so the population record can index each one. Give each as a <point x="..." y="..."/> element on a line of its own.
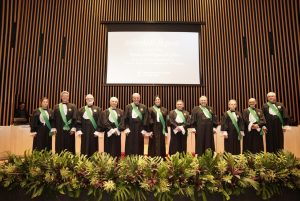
<point x="247" y="48"/>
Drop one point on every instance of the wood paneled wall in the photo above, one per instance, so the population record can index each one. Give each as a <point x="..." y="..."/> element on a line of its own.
<point x="225" y="70"/>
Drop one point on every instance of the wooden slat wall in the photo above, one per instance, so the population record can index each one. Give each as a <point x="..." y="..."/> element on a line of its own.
<point x="226" y="73"/>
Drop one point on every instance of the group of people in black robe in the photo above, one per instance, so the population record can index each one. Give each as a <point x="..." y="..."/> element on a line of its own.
<point x="138" y="121"/>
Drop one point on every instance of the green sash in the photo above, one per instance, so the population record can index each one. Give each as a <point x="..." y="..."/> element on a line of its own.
<point x="234" y="123"/>
<point x="275" y="109"/>
<point x="180" y="113"/>
<point x="114" y="117"/>
<point x="43" y="113"/>
<point x="161" y="118"/>
<point x="64" y="118"/>
<point x="253" y="112"/>
<point x="89" y="114"/>
<point x="206" y="112"/>
<point x="137" y="111"/>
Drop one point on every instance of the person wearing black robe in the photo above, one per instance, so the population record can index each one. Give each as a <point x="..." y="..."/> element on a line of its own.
<point x="112" y="121"/>
<point x="203" y="124"/>
<point x="178" y="121"/>
<point x="277" y="121"/>
<point x="232" y="134"/>
<point x="40" y="127"/>
<point x="158" y="126"/>
<point x="64" y="126"/>
<point x="255" y="122"/>
<point x="135" y="124"/>
<point x="89" y="126"/>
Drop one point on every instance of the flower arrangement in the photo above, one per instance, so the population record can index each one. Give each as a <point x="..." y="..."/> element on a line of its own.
<point x="136" y="177"/>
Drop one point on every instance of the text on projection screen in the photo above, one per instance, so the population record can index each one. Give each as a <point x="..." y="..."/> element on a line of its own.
<point x="153" y="58"/>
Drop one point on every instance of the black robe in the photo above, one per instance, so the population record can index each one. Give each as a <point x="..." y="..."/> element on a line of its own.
<point x="178" y="141"/>
<point x="232" y="143"/>
<point x="112" y="144"/>
<point x="89" y="142"/>
<point x="253" y="140"/>
<point x="274" y="136"/>
<point x="63" y="139"/>
<point x="135" y="140"/>
<point x="157" y="145"/>
<point x="42" y="139"/>
<point x="204" y="129"/>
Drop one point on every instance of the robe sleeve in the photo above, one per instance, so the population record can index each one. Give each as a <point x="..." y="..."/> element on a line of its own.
<point x="245" y="115"/>
<point x="193" y="120"/>
<point x="188" y="120"/>
<point x="53" y="118"/>
<point x="262" y="119"/>
<point x="224" y="123"/>
<point x="35" y="122"/>
<point x="241" y="123"/>
<point x="146" y="120"/>
<point x="79" y="120"/>
<point x="125" y="121"/>
<point x="105" y="120"/>
<point x="285" y="116"/>
<point x="74" y="117"/>
<point x="172" y="123"/>
<point x="120" y="119"/>
<point x="214" y="119"/>
<point x="100" y="123"/>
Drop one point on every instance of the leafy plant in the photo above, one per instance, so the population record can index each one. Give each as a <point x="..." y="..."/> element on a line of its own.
<point x="135" y="177"/>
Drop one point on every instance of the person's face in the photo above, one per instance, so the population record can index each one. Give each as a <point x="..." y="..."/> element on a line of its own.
<point x="179" y="105"/>
<point x="232" y="105"/>
<point x="157" y="101"/>
<point x="203" y="101"/>
<point x="252" y="103"/>
<point x="22" y="106"/>
<point x="272" y="98"/>
<point x="89" y="101"/>
<point x="136" y="99"/>
<point x="45" y="103"/>
<point x="113" y="103"/>
<point x="65" y="98"/>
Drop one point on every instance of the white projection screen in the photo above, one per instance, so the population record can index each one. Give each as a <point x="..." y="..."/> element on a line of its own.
<point x="153" y="57"/>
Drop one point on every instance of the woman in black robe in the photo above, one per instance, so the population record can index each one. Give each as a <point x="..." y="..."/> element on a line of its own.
<point x="40" y="127"/>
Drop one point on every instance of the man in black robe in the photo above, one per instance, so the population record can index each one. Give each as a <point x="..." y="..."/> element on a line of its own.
<point x="40" y="127"/>
<point x="158" y="126"/>
<point x="64" y="124"/>
<point x="178" y="121"/>
<point x="254" y="128"/>
<point x="277" y="123"/>
<point x="135" y="124"/>
<point x="112" y="121"/>
<point x="232" y="127"/>
<point x="203" y="124"/>
<point x="89" y="126"/>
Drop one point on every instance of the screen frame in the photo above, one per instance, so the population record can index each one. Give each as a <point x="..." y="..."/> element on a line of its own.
<point x="138" y="26"/>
